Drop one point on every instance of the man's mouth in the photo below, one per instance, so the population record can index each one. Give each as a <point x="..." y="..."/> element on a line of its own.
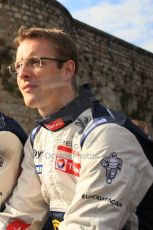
<point x="28" y="87"/>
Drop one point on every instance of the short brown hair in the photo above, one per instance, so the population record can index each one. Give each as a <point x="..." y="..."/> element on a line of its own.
<point x="64" y="46"/>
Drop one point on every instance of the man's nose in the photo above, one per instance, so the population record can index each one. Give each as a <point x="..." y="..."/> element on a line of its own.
<point x="24" y="71"/>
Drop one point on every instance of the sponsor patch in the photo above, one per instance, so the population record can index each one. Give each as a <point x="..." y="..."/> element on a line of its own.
<point x="69" y="144"/>
<point x="56" y="224"/>
<point x="102" y="198"/>
<point x="53" y="220"/>
<point x="55" y="125"/>
<point x="61" y="163"/>
<point x="1" y="161"/>
<point x="37" y="154"/>
<point x="17" y="225"/>
<point x="112" y="164"/>
<point x="38" y="169"/>
<point x="67" y="166"/>
<point x="67" y="149"/>
<point x="82" y="123"/>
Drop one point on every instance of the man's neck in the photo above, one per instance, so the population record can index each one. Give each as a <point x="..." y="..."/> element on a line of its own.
<point x="56" y="106"/>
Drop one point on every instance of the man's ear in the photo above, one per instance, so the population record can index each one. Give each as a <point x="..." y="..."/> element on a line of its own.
<point x="69" y="70"/>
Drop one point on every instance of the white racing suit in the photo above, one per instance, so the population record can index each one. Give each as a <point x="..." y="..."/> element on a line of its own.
<point x="96" y="183"/>
<point x="12" y="139"/>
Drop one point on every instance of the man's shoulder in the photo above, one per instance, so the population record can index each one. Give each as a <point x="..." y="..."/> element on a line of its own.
<point x="103" y="120"/>
<point x="8" y="124"/>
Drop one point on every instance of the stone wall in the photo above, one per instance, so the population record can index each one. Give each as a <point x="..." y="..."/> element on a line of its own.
<point x="120" y="73"/>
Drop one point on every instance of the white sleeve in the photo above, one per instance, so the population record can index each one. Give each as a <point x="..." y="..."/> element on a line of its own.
<point x="27" y="202"/>
<point x="115" y="175"/>
<point x="10" y="157"/>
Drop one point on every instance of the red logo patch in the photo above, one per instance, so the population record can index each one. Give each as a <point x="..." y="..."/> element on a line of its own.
<point x="17" y="225"/>
<point x="61" y="163"/>
<point x="54" y="125"/>
<point x="67" y="149"/>
<point x="67" y="166"/>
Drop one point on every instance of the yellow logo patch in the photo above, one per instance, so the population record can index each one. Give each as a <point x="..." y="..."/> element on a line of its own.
<point x="55" y="223"/>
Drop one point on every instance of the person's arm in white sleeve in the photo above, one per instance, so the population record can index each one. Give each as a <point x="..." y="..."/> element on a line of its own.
<point x="26" y="204"/>
<point x="10" y="158"/>
<point x="115" y="175"/>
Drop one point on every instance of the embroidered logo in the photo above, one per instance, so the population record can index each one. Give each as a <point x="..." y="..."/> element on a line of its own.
<point x="17" y="225"/>
<point x="61" y="163"/>
<point x="55" y="125"/>
<point x="82" y="123"/>
<point x="102" y="198"/>
<point x="67" y="149"/>
<point x="37" y="153"/>
<point x="38" y="169"/>
<point x="67" y="166"/>
<point x="112" y="165"/>
<point x="56" y="224"/>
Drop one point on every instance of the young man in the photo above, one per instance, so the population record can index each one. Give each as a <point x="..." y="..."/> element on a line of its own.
<point x="80" y="167"/>
<point x="12" y="139"/>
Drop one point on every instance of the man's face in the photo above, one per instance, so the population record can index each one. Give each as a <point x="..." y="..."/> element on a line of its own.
<point x="43" y="87"/>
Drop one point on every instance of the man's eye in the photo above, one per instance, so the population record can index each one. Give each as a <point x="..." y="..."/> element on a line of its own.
<point x="18" y="66"/>
<point x="34" y="63"/>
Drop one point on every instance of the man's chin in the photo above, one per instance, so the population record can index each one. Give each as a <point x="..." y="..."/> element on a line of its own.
<point x="30" y="103"/>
